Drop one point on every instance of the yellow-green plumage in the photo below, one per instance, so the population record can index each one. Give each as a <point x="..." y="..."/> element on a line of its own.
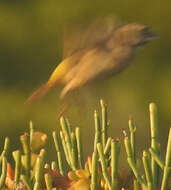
<point x="104" y="57"/>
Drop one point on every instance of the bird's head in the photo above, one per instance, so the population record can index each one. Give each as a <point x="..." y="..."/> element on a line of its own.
<point x="132" y="34"/>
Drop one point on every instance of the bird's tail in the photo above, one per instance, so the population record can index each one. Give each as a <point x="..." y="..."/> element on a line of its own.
<point x="38" y="94"/>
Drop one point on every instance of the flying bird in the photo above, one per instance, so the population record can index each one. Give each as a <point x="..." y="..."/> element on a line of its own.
<point x="100" y="51"/>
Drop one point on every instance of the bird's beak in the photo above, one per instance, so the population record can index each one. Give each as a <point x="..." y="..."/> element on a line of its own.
<point x="150" y="35"/>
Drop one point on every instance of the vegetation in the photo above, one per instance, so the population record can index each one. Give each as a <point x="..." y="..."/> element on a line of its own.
<point x="101" y="170"/>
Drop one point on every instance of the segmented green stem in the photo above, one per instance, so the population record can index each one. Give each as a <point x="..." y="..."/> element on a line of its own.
<point x="104" y="122"/>
<point x="136" y="172"/>
<point x="39" y="170"/>
<point x="68" y="142"/>
<point x="104" y="165"/>
<point x="167" y="168"/>
<point x="107" y="146"/>
<point x="31" y="131"/>
<point x="6" y="149"/>
<point x="74" y="150"/>
<point x="4" y="172"/>
<point x="128" y="148"/>
<point x="58" y="152"/>
<point x="154" y="142"/>
<point x="156" y="158"/>
<point x="132" y="130"/>
<point x="79" y="147"/>
<point x="48" y="181"/>
<point x="65" y="148"/>
<point x="131" y="161"/>
<point x="17" y="158"/>
<point x="97" y="138"/>
<point x="25" y="141"/>
<point x="147" y="168"/>
<point x="115" y="149"/>
<point x="94" y="174"/>
<point x="26" y="182"/>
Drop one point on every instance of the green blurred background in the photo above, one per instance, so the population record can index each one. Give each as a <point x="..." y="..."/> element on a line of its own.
<point x="30" y="49"/>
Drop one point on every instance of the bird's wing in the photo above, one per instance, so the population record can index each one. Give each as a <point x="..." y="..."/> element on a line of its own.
<point x="80" y="36"/>
<point x="93" y="64"/>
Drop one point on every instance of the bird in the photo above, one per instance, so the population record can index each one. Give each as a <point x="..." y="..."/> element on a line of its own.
<point x="101" y="51"/>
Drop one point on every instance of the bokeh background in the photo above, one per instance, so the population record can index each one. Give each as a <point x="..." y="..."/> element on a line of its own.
<point x="30" y="49"/>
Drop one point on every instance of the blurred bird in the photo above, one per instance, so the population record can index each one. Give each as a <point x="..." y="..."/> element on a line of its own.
<point x="102" y="50"/>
